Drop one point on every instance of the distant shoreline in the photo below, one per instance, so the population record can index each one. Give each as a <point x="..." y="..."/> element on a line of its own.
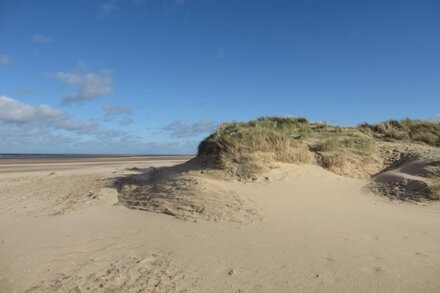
<point x="6" y="159"/>
<point x="81" y="165"/>
<point x="50" y="156"/>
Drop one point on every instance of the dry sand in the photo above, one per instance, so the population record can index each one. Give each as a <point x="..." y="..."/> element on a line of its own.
<point x="315" y="232"/>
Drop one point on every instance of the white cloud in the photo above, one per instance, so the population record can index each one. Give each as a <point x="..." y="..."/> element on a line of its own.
<point x="42" y="128"/>
<point x="5" y="59"/>
<point x="15" y="112"/>
<point x="122" y="114"/>
<point x="178" y="129"/>
<point x="40" y="38"/>
<point x="88" y="85"/>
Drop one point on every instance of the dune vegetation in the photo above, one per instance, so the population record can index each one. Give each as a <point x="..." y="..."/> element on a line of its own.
<point x="244" y="150"/>
<point x="405" y="130"/>
<point x="401" y="159"/>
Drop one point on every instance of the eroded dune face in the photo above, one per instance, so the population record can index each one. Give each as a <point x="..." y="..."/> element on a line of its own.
<point x="193" y="190"/>
<point x="413" y="173"/>
<point x="185" y="194"/>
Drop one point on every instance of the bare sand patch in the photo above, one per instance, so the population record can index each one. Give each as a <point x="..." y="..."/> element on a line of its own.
<point x="154" y="273"/>
<point x="55" y="194"/>
<point x="319" y="233"/>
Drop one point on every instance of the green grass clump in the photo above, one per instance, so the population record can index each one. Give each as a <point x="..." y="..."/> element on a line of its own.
<point x="343" y="142"/>
<point x="333" y="160"/>
<point x="238" y="143"/>
<point x="245" y="148"/>
<point x="263" y="134"/>
<point x="340" y="150"/>
<point x="407" y="130"/>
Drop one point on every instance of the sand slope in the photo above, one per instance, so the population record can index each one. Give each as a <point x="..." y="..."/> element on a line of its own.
<point x="411" y="171"/>
<point x="318" y="232"/>
<point x="184" y="194"/>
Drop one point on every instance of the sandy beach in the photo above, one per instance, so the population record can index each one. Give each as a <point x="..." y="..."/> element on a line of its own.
<point x="63" y="229"/>
<point x="181" y="146"/>
<point x="23" y="167"/>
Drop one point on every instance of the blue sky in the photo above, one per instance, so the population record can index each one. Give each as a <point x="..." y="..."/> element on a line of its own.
<point x="156" y="76"/>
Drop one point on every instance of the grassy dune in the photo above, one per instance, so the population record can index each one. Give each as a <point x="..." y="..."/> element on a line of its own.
<point x="405" y="130"/>
<point x="246" y="149"/>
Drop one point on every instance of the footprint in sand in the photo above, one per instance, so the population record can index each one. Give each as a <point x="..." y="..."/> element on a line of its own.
<point x="418" y="253"/>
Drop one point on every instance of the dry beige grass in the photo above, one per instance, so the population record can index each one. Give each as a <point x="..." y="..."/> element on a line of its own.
<point x="407" y="130"/>
<point x="435" y="190"/>
<point x="246" y="149"/>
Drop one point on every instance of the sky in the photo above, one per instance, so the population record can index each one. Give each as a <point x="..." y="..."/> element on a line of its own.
<point x="157" y="76"/>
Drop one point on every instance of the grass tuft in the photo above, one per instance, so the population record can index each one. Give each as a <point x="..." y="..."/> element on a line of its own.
<point x="407" y="130"/>
<point x="245" y="148"/>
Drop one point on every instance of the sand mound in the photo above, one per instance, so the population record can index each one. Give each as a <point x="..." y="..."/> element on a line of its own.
<point x="187" y="195"/>
<point x="246" y="151"/>
<point x="412" y="173"/>
<point x="151" y="274"/>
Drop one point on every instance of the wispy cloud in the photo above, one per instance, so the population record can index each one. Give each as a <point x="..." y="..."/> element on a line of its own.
<point x="5" y="59"/>
<point x="220" y="54"/>
<point x="33" y="128"/>
<point x="107" y="7"/>
<point x="179" y="129"/>
<point x="121" y="114"/>
<point x="87" y="85"/>
<point x="42" y="128"/>
<point x="15" y="112"/>
<point x="40" y="38"/>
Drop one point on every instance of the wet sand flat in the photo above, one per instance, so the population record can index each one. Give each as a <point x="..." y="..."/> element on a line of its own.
<point x="21" y="167"/>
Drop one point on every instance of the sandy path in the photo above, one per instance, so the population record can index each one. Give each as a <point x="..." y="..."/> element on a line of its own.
<point x="319" y="233"/>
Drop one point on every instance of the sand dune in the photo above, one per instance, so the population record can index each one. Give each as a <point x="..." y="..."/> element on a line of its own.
<point x="185" y="194"/>
<point x="316" y="232"/>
